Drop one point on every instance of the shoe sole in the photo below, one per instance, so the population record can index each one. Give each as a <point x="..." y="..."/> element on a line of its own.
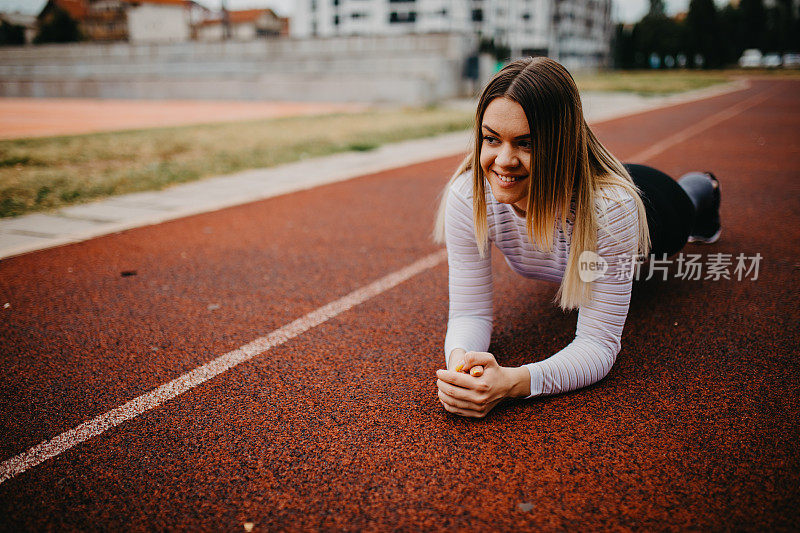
<point x="714" y="238"/>
<point x="705" y="240"/>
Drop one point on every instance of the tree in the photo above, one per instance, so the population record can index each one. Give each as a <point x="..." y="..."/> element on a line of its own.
<point x="656" y="34"/>
<point x="657" y="9"/>
<point x="11" y="34"/>
<point x="778" y="25"/>
<point x="731" y="29"/>
<point x="754" y="23"/>
<point x="623" y="47"/>
<point x="57" y="27"/>
<point x="703" y="32"/>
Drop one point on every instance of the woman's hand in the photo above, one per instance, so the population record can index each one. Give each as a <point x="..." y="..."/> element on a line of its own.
<point x="458" y="361"/>
<point x="474" y="395"/>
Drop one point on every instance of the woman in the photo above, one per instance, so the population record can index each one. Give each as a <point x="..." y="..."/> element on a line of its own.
<point x="551" y="198"/>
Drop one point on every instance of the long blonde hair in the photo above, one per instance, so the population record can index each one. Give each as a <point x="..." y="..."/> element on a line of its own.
<point x="568" y="164"/>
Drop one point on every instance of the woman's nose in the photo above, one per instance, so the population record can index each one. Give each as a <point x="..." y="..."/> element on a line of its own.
<point x="507" y="157"/>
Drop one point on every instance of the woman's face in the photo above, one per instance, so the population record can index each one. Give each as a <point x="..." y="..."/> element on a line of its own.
<point x="506" y="151"/>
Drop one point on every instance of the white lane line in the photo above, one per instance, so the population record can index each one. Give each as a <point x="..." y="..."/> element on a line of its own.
<point x="63" y="442"/>
<point x="695" y="129"/>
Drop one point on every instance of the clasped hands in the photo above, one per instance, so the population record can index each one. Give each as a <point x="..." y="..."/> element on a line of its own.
<point x="476" y="383"/>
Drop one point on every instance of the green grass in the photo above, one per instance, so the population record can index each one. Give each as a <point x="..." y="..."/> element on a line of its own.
<point x="48" y="173"/>
<point x="660" y="82"/>
<point x="646" y="82"/>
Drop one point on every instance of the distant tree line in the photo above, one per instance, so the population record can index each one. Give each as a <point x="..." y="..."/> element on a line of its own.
<point x="707" y="37"/>
<point x="56" y="26"/>
<point x="11" y="34"/>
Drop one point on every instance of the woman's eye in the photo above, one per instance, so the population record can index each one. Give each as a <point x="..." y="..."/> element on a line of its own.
<point x="489" y="139"/>
<point x="525" y="144"/>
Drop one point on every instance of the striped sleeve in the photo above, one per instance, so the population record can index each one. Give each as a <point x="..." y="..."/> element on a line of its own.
<point x="590" y="356"/>
<point x="469" y="325"/>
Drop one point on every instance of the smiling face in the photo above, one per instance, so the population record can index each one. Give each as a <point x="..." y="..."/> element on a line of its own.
<point x="506" y="151"/>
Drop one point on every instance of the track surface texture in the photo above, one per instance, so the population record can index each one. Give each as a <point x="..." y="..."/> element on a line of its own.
<point x="340" y="428"/>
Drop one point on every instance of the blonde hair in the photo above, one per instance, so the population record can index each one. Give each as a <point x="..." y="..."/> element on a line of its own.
<point x="568" y="164"/>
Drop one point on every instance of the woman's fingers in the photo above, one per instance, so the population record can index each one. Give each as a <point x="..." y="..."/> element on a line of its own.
<point x="454" y="402"/>
<point x="464" y="402"/>
<point x="463" y="412"/>
<point x="472" y="359"/>
<point x="475" y="371"/>
<point x="459" y="379"/>
<point x="459" y="408"/>
<point x="459" y="390"/>
<point x="454" y="391"/>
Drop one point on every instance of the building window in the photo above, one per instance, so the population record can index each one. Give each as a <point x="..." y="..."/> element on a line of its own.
<point x="477" y="15"/>
<point x="534" y="52"/>
<point x="401" y="1"/>
<point x="526" y="16"/>
<point x="359" y="15"/>
<point x="398" y="18"/>
<point x="336" y="20"/>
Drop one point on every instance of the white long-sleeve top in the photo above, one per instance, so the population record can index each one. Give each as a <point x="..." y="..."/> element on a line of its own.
<point x="589" y="357"/>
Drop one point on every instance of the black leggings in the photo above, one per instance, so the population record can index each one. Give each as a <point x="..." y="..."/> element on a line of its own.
<point x="670" y="211"/>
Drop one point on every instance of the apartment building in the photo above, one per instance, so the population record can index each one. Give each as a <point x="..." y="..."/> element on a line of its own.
<point x="581" y="32"/>
<point x="575" y="32"/>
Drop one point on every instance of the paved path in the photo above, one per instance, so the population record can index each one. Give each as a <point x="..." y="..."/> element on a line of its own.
<point x="72" y="224"/>
<point x="255" y="366"/>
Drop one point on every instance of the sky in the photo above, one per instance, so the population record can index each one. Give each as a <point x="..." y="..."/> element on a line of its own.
<point x="624" y="10"/>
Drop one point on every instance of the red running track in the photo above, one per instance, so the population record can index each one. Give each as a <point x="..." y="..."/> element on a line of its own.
<point x="339" y="428"/>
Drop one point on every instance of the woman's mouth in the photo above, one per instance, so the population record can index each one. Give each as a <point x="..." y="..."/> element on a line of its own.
<point x="507" y="180"/>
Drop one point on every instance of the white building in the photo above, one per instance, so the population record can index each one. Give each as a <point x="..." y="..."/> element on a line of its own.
<point x="150" y="22"/>
<point x="575" y="32"/>
<point x="244" y="25"/>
